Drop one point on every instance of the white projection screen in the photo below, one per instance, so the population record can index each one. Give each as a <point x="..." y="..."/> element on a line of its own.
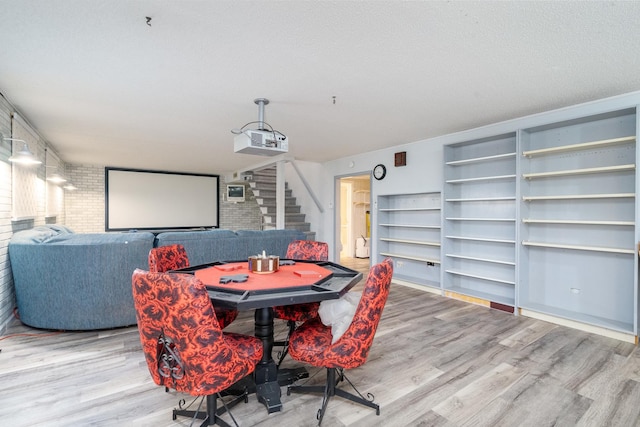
<point x="154" y="200"/>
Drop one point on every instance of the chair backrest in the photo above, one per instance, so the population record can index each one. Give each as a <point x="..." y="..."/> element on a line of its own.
<point x="182" y="342"/>
<point x="359" y="335"/>
<point x="165" y="258"/>
<point x="308" y="250"/>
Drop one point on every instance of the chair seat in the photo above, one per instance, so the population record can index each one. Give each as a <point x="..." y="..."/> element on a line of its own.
<point x="297" y="312"/>
<point x="248" y="347"/>
<point x="311" y="343"/>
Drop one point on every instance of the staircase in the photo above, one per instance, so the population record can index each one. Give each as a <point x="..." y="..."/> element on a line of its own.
<point x="263" y="186"/>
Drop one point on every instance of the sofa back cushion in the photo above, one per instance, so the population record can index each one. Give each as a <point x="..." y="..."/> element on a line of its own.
<point x="202" y="246"/>
<point x="273" y="242"/>
<point x="40" y="233"/>
<point x="225" y="245"/>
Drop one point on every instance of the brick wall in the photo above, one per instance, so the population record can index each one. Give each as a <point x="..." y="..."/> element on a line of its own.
<point x="241" y="215"/>
<point x="7" y="295"/>
<point x="84" y="207"/>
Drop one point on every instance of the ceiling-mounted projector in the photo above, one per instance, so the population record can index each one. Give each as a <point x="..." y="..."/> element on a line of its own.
<point x="260" y="142"/>
<point x="264" y="141"/>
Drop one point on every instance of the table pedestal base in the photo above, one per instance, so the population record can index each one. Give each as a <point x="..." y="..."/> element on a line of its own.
<point x="269" y="392"/>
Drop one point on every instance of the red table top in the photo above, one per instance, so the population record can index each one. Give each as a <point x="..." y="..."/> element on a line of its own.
<point x="288" y="276"/>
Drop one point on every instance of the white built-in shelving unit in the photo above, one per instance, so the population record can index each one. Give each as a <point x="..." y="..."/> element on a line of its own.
<point x="578" y="253"/>
<point x="479" y="219"/>
<point x="538" y="216"/>
<point x="409" y="228"/>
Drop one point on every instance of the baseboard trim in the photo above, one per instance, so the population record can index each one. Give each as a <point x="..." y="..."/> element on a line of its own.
<point x="633" y="339"/>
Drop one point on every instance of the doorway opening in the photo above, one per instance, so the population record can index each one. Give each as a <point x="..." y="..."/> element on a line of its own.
<point x="354" y="220"/>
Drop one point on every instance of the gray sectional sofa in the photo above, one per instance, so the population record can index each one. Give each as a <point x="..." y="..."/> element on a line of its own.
<point x="75" y="281"/>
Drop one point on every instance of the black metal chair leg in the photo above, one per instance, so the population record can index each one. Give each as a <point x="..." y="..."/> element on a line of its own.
<point x="212" y="414"/>
<point x="358" y="399"/>
<point x="329" y="390"/>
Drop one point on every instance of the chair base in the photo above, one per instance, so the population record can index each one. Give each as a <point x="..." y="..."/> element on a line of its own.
<point x="329" y="390"/>
<point x="212" y="415"/>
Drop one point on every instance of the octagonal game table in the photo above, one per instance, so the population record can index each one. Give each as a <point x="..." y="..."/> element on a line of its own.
<point x="296" y="282"/>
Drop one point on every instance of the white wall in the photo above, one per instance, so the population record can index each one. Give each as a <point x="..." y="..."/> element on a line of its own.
<point x="314" y="174"/>
<point x="423" y="172"/>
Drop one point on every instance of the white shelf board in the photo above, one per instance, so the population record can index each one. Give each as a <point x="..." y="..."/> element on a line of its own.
<point x="480" y="159"/>
<point x="579" y="247"/>
<point x="480" y="178"/>
<point x="482" y="219"/>
<point x="482" y="199"/>
<point x="435" y="227"/>
<point x="488" y="260"/>
<point x="603" y="169"/>
<point x="476" y="276"/>
<point x="579" y="196"/>
<point x="414" y="258"/>
<point x="409" y="209"/>
<point x="412" y="242"/>
<point x="576" y="222"/>
<point x="578" y="147"/>
<point x="482" y="239"/>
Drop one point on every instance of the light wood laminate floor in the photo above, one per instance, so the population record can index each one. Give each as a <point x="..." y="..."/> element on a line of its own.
<point x="435" y="361"/>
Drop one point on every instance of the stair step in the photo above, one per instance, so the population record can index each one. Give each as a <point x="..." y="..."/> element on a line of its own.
<point x="263" y="179"/>
<point x="264" y="184"/>
<point x="293" y="217"/>
<point x="272" y="210"/>
<point x="300" y="226"/>
<point x="264" y="174"/>
<point x="268" y="192"/>
<point x="271" y="201"/>
<point x="265" y="171"/>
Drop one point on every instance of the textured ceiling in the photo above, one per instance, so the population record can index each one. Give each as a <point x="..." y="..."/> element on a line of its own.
<point x="103" y="87"/>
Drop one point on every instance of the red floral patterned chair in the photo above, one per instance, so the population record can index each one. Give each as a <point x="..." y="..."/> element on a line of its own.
<point x="174" y="257"/>
<point x="309" y="250"/>
<point x="183" y="343"/>
<point x="311" y="341"/>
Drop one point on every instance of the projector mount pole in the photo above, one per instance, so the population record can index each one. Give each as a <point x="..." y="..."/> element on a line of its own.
<point x="261" y="103"/>
<point x="280" y="183"/>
